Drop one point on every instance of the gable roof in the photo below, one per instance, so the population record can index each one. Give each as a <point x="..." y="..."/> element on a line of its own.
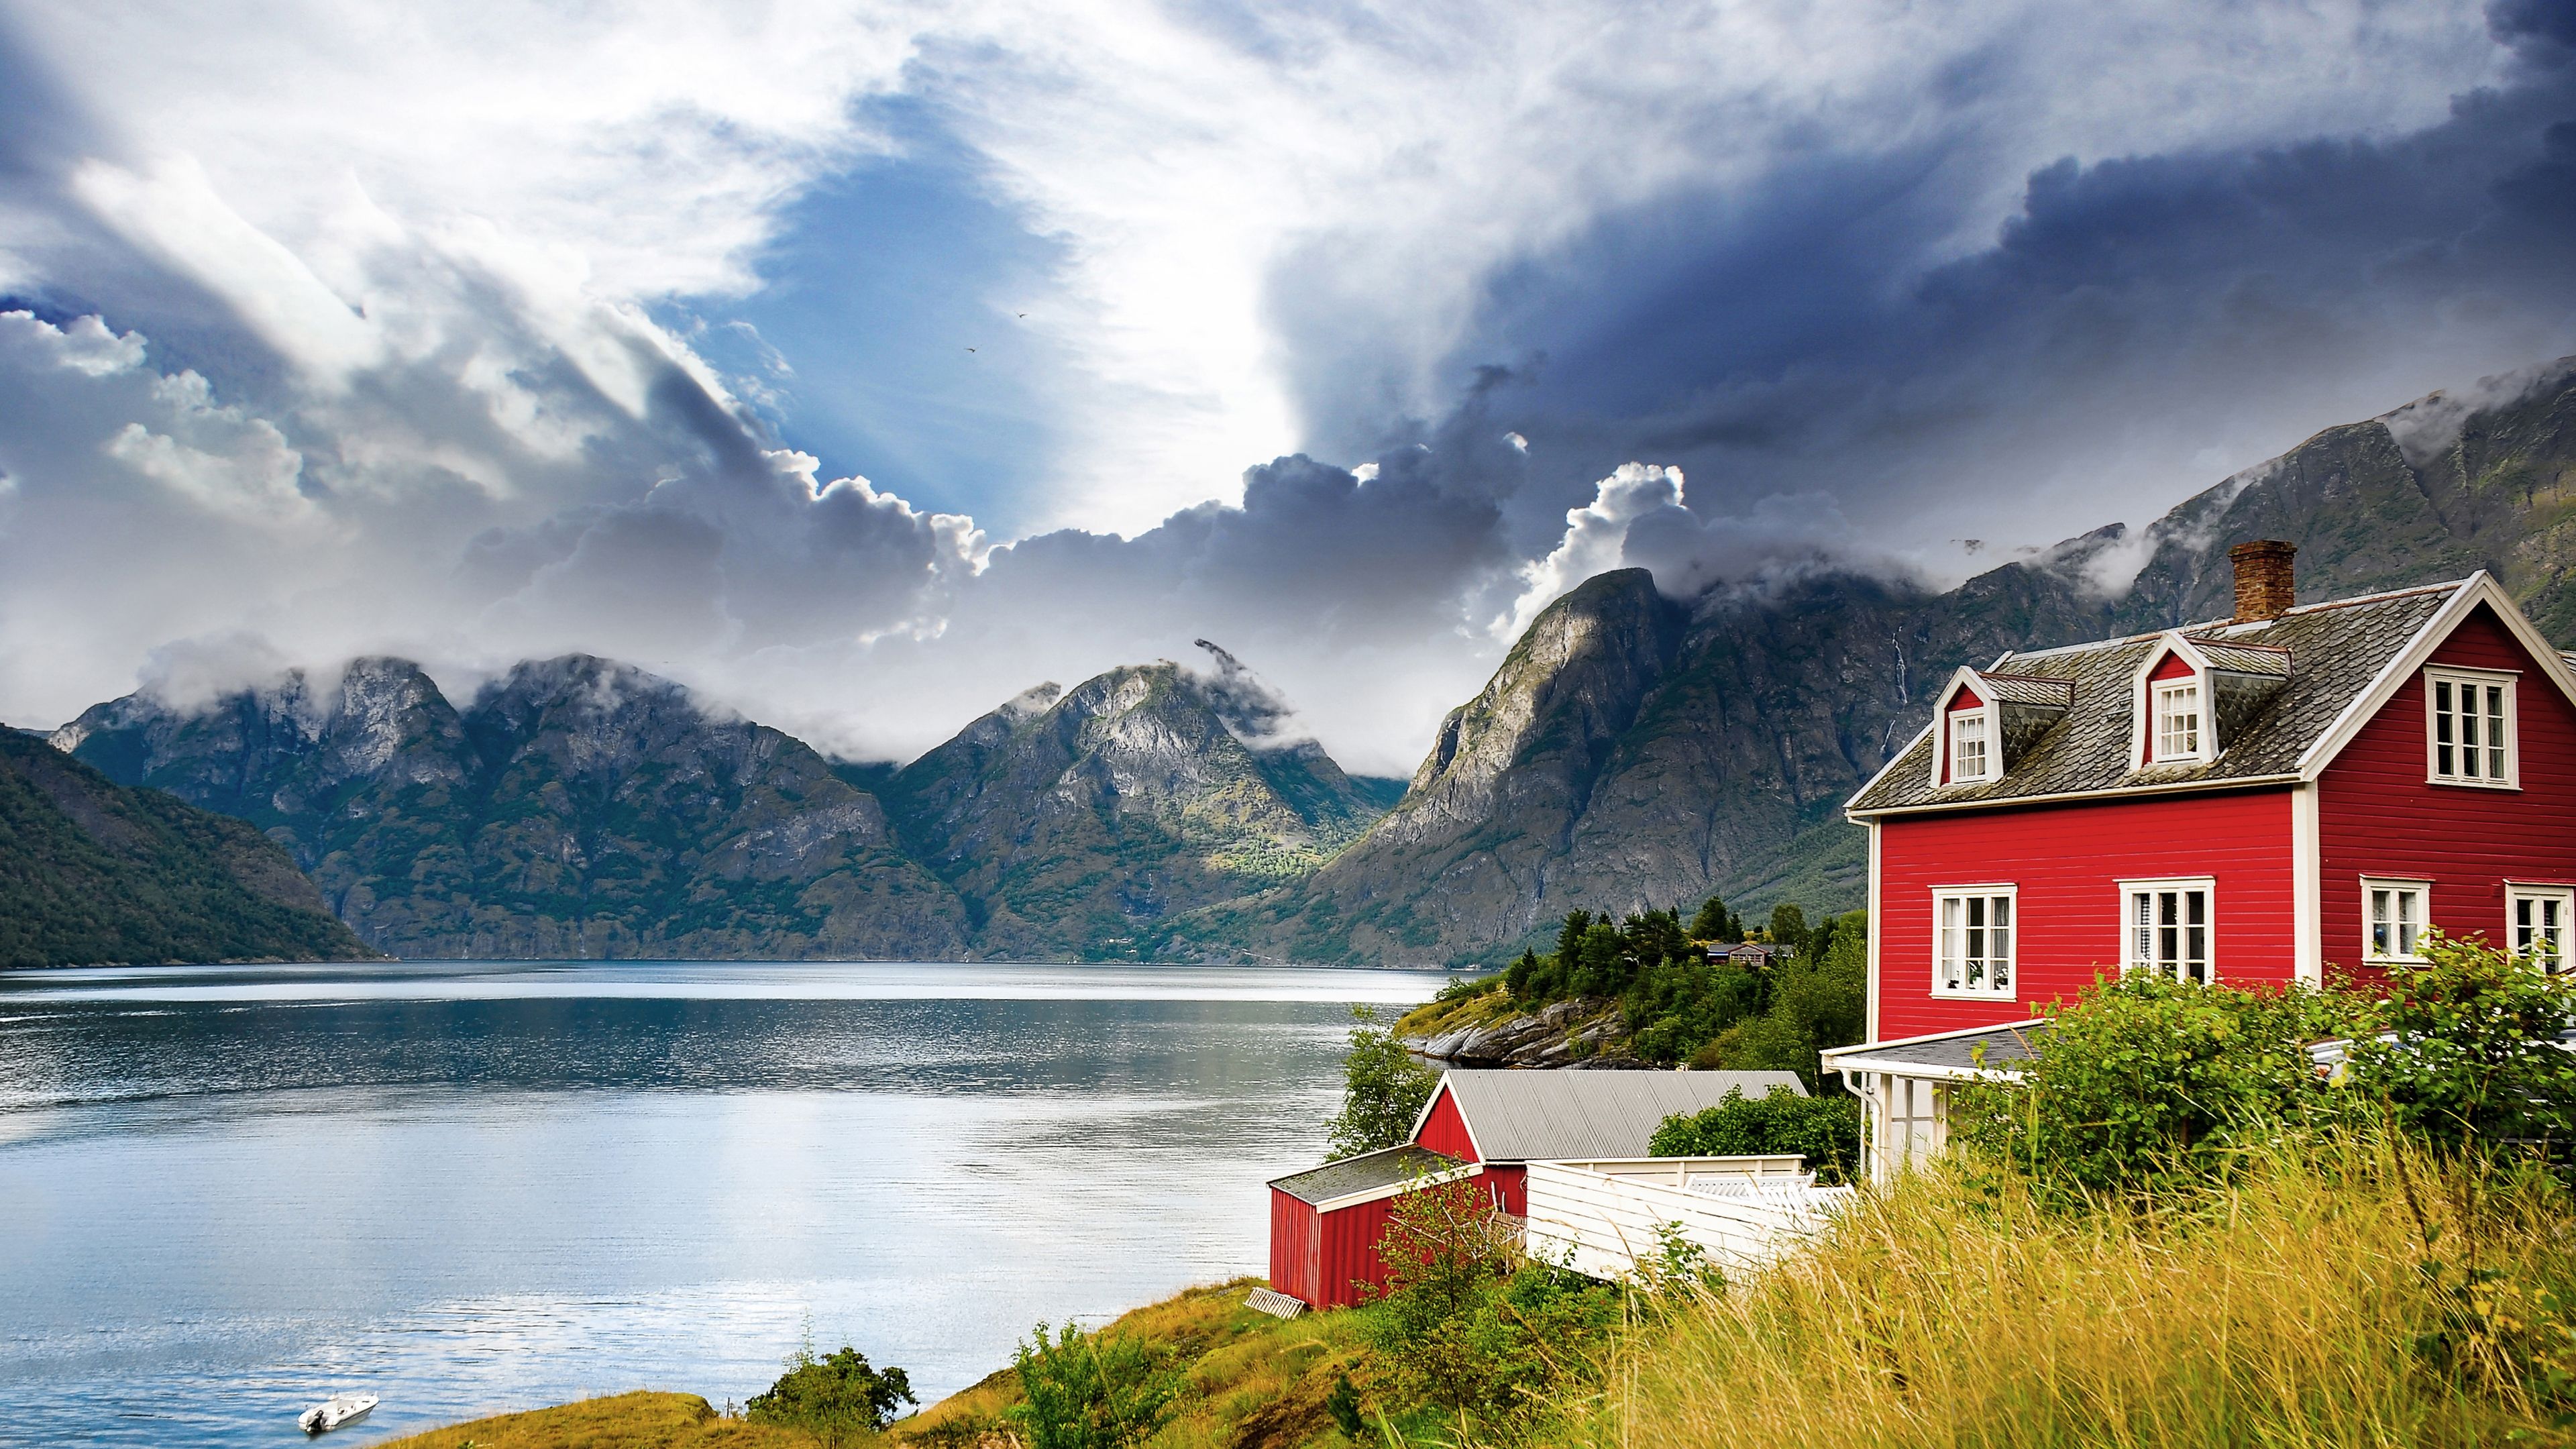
<point x="2342" y="659"/>
<point x="1543" y="1116"/>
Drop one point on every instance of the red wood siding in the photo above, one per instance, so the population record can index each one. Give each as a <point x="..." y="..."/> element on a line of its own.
<point x="1296" y="1266"/>
<point x="2172" y="666"/>
<point x="1966" y="698"/>
<point x="2067" y="861"/>
<point x="1349" y="1258"/>
<point x="2377" y="815"/>
<point x="1511" y="1188"/>
<point x="1445" y="1130"/>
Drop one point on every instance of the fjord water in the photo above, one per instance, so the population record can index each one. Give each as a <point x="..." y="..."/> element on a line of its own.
<point x="226" y="1192"/>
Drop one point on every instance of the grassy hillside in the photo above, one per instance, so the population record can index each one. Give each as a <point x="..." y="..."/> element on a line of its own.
<point x="92" y="873"/>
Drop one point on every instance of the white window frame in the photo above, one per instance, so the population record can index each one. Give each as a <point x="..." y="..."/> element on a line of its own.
<point x="1984" y="716"/>
<point x="2517" y="896"/>
<point x="2131" y="959"/>
<point x="2157" y="689"/>
<point x="2435" y="721"/>
<point x="2422" y="890"/>
<point x="1984" y="896"/>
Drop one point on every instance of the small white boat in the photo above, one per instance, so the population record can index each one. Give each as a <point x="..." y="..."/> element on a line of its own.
<point x="335" y="1411"/>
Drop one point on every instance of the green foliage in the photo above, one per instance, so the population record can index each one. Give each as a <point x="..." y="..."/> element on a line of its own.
<point x="1094" y="1391"/>
<point x="1682" y="1007"/>
<point x="1824" y="1130"/>
<point x="1383" y="1089"/>
<point x="1343" y="1403"/>
<point x="1465" y="1325"/>
<point x="1714" y="922"/>
<point x="2148" y="1082"/>
<point x="94" y="873"/>
<point x="837" y="1397"/>
<point x="2461" y="1049"/>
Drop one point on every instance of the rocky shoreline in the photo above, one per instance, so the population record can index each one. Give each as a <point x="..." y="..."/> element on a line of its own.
<point x="1569" y="1035"/>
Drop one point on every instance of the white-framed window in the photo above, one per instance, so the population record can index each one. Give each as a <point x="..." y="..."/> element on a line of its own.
<point x="2393" y="918"/>
<point x="2170" y="927"/>
<point x="2468" y="728"/>
<point x="2180" y="727"/>
<point x="1972" y="940"/>
<point x="2542" y="920"/>
<point x="1971" y="746"/>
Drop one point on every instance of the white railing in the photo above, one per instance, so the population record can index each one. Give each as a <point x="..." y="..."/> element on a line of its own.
<point x="1602" y="1217"/>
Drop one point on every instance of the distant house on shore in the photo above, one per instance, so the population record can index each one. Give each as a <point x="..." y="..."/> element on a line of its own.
<point x="1489" y="1126"/>
<point x="2250" y="800"/>
<point x="1752" y="955"/>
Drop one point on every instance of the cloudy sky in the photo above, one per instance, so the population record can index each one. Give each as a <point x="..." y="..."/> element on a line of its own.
<point x="863" y="364"/>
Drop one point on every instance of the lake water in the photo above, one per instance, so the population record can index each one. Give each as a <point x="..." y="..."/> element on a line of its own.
<point x="226" y="1192"/>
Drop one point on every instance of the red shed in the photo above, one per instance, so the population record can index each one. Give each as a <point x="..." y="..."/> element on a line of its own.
<point x="2253" y="799"/>
<point x="1325" y="1224"/>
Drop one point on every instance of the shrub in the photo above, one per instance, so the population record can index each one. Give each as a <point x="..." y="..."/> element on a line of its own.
<point x="837" y="1396"/>
<point x="1383" y="1089"/>
<point x="2147" y="1081"/>
<point x="2462" y="1049"/>
<point x="1093" y="1391"/>
<point x="1824" y="1130"/>
<point x="1465" y="1325"/>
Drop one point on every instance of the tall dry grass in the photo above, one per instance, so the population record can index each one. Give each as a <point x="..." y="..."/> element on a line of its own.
<point x="2300" y="1306"/>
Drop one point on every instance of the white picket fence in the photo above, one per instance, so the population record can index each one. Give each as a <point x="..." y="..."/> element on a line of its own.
<point x="1602" y="1217"/>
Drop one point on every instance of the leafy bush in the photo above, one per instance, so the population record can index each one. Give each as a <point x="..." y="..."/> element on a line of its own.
<point x="2462" y="1049"/>
<point x="1465" y="1325"/>
<point x="836" y="1397"/>
<point x="1824" y="1130"/>
<point x="1383" y="1089"/>
<point x="1093" y="1391"/>
<point x="2148" y="1081"/>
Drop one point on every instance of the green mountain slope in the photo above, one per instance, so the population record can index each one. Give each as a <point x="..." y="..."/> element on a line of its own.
<point x="93" y="873"/>
<point x="1632" y="752"/>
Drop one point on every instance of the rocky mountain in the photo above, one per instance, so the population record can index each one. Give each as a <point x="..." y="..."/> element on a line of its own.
<point x="576" y="808"/>
<point x="1074" y="822"/>
<point x="93" y="873"/>
<point x="1635" y="751"/>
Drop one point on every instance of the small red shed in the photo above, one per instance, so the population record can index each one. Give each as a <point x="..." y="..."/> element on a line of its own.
<point x="1326" y="1223"/>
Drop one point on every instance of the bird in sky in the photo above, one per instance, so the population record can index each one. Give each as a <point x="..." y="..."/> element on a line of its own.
<point x="970" y="349"/>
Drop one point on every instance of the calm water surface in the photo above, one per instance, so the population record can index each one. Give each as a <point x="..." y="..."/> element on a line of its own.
<point x="227" y="1192"/>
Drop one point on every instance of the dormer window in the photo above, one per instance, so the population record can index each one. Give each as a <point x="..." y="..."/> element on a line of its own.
<point x="2178" y="731"/>
<point x="2183" y="695"/>
<point x="1969" y="748"/>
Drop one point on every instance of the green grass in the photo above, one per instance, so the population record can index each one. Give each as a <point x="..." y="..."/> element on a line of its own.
<point x="2289" y="1311"/>
<point x="641" y="1420"/>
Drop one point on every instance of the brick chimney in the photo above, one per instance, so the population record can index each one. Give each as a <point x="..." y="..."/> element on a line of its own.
<point x="2265" y="585"/>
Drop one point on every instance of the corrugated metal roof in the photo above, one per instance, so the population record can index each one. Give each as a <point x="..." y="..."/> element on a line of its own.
<point x="1548" y="1116"/>
<point x="1368" y="1172"/>
<point x="2340" y="648"/>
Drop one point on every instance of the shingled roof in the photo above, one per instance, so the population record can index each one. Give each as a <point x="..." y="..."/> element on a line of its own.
<point x="2330" y="654"/>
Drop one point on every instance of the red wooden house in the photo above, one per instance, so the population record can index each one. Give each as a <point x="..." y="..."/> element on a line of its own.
<point x="2254" y="799"/>
<point x="1487" y="1126"/>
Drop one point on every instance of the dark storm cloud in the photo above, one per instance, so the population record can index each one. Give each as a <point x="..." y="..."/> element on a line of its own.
<point x="2140" y="327"/>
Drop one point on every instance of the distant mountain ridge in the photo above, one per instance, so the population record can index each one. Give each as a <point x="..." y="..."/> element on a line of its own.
<point x="576" y="808"/>
<point x="583" y="808"/>
<point x="1634" y="751"/>
<point x="93" y="873"/>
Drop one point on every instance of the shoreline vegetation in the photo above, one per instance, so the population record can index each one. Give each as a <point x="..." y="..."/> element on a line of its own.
<point x="2174" y="1229"/>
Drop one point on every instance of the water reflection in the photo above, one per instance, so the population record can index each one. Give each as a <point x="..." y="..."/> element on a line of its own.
<point x="470" y="1187"/>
